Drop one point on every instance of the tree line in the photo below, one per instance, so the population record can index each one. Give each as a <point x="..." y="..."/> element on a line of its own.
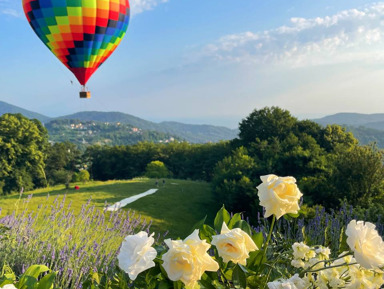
<point x="330" y="166"/>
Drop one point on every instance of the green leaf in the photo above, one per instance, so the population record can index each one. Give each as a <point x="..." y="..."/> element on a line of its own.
<point x="29" y="279"/>
<point x="27" y="282"/>
<point x="36" y="270"/>
<point x="258" y="239"/>
<point x="198" y="225"/>
<point x="304" y="235"/>
<point x="206" y="281"/>
<point x="256" y="259"/>
<point x="218" y="285"/>
<point x="178" y="285"/>
<point x="244" y="226"/>
<point x="163" y="285"/>
<point x="47" y="281"/>
<point x="206" y="233"/>
<point x="6" y="282"/>
<point x="343" y="246"/>
<point x="238" y="277"/>
<point x="236" y="218"/>
<point x="221" y="217"/>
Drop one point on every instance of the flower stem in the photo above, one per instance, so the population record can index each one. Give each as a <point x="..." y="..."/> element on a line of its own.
<point x="329" y="267"/>
<point x="326" y="261"/>
<point x="265" y="247"/>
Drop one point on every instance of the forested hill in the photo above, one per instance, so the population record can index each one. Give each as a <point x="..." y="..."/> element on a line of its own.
<point x="9" y="108"/>
<point x="150" y="131"/>
<point x="375" y="121"/>
<point x="367" y="128"/>
<point x="189" y="132"/>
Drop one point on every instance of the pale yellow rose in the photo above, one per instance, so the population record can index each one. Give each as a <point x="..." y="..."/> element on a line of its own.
<point x="234" y="245"/>
<point x="279" y="195"/>
<point x="188" y="260"/>
<point x="367" y="245"/>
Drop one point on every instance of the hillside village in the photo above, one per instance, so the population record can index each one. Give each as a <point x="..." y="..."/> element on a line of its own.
<point x="86" y="133"/>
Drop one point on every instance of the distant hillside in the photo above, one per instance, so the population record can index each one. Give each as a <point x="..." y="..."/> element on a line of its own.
<point x="367" y="135"/>
<point x="111" y="117"/>
<point x="354" y="119"/>
<point x="367" y="128"/>
<point x="189" y="132"/>
<point x="198" y="133"/>
<point x="85" y="133"/>
<point x="9" y="108"/>
<point x="151" y="130"/>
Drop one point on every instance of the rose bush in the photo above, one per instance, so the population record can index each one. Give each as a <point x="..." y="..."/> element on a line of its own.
<point x="238" y="256"/>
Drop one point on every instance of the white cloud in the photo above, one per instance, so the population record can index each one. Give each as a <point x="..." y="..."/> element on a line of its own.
<point x="10" y="8"/>
<point x="139" y="6"/>
<point x="349" y="35"/>
<point x="11" y="12"/>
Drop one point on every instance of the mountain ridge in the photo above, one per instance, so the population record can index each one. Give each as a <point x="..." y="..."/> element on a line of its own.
<point x="190" y="132"/>
<point x="351" y="118"/>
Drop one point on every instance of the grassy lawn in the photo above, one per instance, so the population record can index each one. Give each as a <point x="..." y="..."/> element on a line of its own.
<point x="175" y="207"/>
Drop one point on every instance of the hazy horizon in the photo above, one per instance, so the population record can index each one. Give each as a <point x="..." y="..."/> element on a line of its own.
<point x="311" y="58"/>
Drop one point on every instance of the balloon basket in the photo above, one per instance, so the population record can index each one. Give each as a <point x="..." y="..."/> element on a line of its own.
<point x="85" y="94"/>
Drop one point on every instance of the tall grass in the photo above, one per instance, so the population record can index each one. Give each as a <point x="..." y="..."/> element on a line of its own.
<point x="69" y="243"/>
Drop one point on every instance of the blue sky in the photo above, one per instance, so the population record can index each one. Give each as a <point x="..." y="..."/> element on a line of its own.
<point x="211" y="61"/>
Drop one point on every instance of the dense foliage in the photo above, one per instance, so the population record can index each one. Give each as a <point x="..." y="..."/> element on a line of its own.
<point x="183" y="160"/>
<point x="327" y="161"/>
<point x="23" y="143"/>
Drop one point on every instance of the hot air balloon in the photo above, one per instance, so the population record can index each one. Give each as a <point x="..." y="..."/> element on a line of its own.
<point x="82" y="34"/>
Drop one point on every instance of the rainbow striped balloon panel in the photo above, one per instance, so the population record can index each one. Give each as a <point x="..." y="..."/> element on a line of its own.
<point x="81" y="33"/>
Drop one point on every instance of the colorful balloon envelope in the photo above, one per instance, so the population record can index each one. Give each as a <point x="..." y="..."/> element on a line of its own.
<point x="82" y="34"/>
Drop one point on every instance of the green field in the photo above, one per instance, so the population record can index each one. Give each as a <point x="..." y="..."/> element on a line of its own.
<point x="175" y="207"/>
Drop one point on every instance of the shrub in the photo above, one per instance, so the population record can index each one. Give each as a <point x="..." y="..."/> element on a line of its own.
<point x="84" y="176"/>
<point x="156" y="169"/>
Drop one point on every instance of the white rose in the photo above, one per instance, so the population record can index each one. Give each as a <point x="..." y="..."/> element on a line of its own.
<point x="137" y="254"/>
<point x="367" y="245"/>
<point x="8" y="286"/>
<point x="187" y="261"/>
<point x="279" y="195"/>
<point x="362" y="279"/>
<point x="297" y="263"/>
<point x="323" y="253"/>
<point x="295" y="282"/>
<point x="234" y="245"/>
<point x="302" y="251"/>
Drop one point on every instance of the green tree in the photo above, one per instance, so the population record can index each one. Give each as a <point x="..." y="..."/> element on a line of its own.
<point x="265" y="124"/>
<point x="234" y="182"/>
<point x="84" y="176"/>
<point x="358" y="175"/>
<point x="156" y="169"/>
<point x="23" y="143"/>
<point x="62" y="159"/>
